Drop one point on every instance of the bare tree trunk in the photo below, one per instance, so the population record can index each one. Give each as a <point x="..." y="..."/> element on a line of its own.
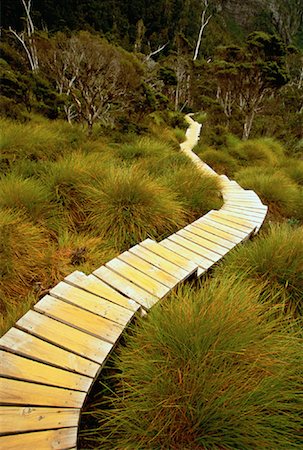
<point x="204" y="23"/>
<point x="249" y="118"/>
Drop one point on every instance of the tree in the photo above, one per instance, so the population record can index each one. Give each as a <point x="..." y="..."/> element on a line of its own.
<point x="204" y="22"/>
<point x="96" y="77"/>
<point x="247" y="76"/>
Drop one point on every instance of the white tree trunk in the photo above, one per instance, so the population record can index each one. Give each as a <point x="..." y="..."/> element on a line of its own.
<point x="204" y="23"/>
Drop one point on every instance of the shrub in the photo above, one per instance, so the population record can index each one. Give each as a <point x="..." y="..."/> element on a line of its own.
<point x="294" y="170"/>
<point x="128" y="206"/>
<point x="275" y="256"/>
<point x="198" y="191"/>
<point x="264" y="152"/>
<point x="209" y="369"/>
<point x="142" y="148"/>
<point x="276" y="190"/>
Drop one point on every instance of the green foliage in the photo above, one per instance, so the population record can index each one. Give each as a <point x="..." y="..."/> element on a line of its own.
<point x="276" y="258"/>
<point x="220" y="161"/>
<point x="210" y="368"/>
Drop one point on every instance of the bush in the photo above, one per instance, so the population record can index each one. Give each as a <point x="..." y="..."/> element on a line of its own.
<point x="129" y="206"/>
<point x="275" y="256"/>
<point x="198" y="191"/>
<point x="263" y="152"/>
<point x="209" y="369"/>
<point x="275" y="188"/>
<point x="294" y="170"/>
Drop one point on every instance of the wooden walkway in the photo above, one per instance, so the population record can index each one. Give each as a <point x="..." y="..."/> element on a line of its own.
<point x="51" y="357"/>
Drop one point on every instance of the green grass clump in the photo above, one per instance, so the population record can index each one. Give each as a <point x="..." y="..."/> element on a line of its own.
<point x="198" y="191"/>
<point x="263" y="152"/>
<point x="22" y="261"/>
<point x="294" y="169"/>
<point x="209" y="369"/>
<point x="128" y="206"/>
<point x="276" y="257"/>
<point x="142" y="148"/>
<point x="275" y="188"/>
<point x="28" y="196"/>
<point x="220" y="161"/>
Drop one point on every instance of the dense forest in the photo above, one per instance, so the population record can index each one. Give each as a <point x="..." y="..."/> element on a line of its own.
<point x="93" y="96"/>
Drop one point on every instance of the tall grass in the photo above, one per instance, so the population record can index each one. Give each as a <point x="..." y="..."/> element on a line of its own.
<point x="263" y="152"/>
<point x="128" y="206"/>
<point x="209" y="369"/>
<point x="198" y="191"/>
<point x="220" y="161"/>
<point x="28" y="196"/>
<point x="275" y="188"/>
<point x="274" y="257"/>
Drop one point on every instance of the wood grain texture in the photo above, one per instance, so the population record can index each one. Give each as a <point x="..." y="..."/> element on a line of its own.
<point x="200" y="261"/>
<point x="62" y="439"/>
<point x="21" y="368"/>
<point x="127" y="287"/>
<point x="212" y="237"/>
<point x="92" y="284"/>
<point x="16" y="419"/>
<point x="212" y="229"/>
<point x="202" y="251"/>
<point x="65" y="336"/>
<point x="16" y="392"/>
<point x="222" y="225"/>
<point x="22" y="343"/>
<point x="200" y="240"/>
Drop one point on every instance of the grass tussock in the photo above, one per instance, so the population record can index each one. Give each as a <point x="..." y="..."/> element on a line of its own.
<point x="27" y="196"/>
<point x="257" y="152"/>
<point x="220" y="161"/>
<point x="209" y="369"/>
<point x="274" y="257"/>
<point x="128" y="206"/>
<point x="198" y="191"/>
<point x="274" y="187"/>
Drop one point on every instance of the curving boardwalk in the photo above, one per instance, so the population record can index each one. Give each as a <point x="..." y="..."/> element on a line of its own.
<point x="51" y="357"/>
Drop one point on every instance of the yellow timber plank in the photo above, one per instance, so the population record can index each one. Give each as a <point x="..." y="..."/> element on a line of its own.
<point x="262" y="209"/>
<point x="159" y="262"/>
<point x="205" y="226"/>
<point x="14" y="419"/>
<point x="216" y="239"/>
<point x="189" y="254"/>
<point x="18" y="392"/>
<point x="202" y="251"/>
<point x="249" y="212"/>
<point x="237" y="223"/>
<point x="65" y="336"/>
<point x="253" y="203"/>
<point x="92" y="303"/>
<point x="256" y="219"/>
<point x="238" y="235"/>
<point x="79" y="318"/>
<point x="140" y="279"/>
<point x="92" y="284"/>
<point x="228" y="226"/>
<point x="64" y="438"/>
<point x="16" y="366"/>
<point x="180" y="261"/>
<point x="203" y="242"/>
<point x="17" y="341"/>
<point x="127" y="287"/>
<point x="149" y="269"/>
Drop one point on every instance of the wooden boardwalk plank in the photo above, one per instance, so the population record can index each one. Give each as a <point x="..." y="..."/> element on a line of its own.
<point x="200" y="261"/>
<point x="256" y="219"/>
<point x="239" y="236"/>
<point x="202" y="251"/>
<point x="234" y="222"/>
<point x="65" y="336"/>
<point x="249" y="213"/>
<point x="14" y="419"/>
<point x="140" y="279"/>
<point x="210" y="228"/>
<point x="20" y="342"/>
<point x="127" y="287"/>
<point x="92" y="303"/>
<point x="16" y="366"/>
<point x="159" y="262"/>
<point x="92" y="284"/>
<point x="18" y="392"/>
<point x="209" y="245"/>
<point x="149" y="269"/>
<point x="179" y="260"/>
<point x="215" y="238"/>
<point x="80" y="319"/>
<point x="62" y="439"/>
